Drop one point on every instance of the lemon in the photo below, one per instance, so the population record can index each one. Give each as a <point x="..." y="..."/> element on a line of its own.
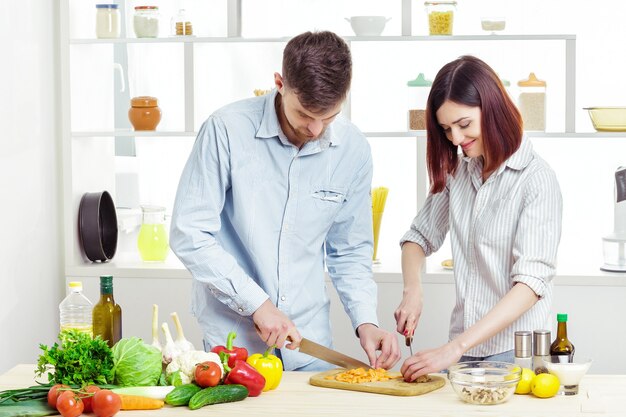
<point x="523" y="386"/>
<point x="545" y="385"/>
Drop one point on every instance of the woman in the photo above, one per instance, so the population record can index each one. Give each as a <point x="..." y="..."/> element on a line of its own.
<point x="502" y="205"/>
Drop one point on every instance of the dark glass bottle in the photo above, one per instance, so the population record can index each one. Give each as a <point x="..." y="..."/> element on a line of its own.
<point x="562" y="347"/>
<point x="107" y="315"/>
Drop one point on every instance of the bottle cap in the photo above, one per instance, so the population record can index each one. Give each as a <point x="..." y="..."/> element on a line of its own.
<point x="76" y="285"/>
<point x="523" y="344"/>
<point x="560" y="317"/>
<point x="541" y="342"/>
<point x="420" y="81"/>
<point x="106" y="284"/>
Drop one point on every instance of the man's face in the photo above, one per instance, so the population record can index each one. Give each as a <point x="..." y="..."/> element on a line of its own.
<point x="299" y="124"/>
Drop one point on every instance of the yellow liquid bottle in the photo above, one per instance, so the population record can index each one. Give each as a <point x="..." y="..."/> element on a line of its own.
<point x="107" y="315"/>
<point x="75" y="310"/>
<point x="152" y="241"/>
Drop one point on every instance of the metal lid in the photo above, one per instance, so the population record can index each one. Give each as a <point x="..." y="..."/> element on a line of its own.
<point x="523" y="344"/>
<point x="146" y="8"/>
<point x="541" y="342"/>
<point x="107" y="6"/>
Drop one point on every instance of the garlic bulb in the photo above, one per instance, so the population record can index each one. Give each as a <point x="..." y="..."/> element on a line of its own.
<point x="155" y="327"/>
<point x="170" y="350"/>
<point x="183" y="344"/>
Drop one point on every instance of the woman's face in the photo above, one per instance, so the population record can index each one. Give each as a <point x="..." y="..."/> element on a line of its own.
<point x="461" y="125"/>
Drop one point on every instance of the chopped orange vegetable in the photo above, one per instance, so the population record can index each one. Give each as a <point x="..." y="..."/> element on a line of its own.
<point x="137" y="402"/>
<point x="360" y="375"/>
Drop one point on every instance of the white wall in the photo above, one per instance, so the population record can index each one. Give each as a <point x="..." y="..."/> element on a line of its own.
<point x="30" y="214"/>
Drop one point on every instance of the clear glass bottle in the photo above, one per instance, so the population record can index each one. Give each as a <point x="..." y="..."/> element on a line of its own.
<point x="107" y="314"/>
<point x="532" y="103"/>
<point x="181" y="24"/>
<point x="107" y="21"/>
<point x="524" y="349"/>
<point x="440" y="17"/>
<point x="146" y="21"/>
<point x="541" y="350"/>
<point x="75" y="310"/>
<point x="418" y="91"/>
<point x="562" y="347"/>
<point x="152" y="241"/>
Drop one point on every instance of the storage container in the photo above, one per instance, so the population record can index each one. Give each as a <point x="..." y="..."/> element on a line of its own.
<point x="418" y="91"/>
<point x="532" y="102"/>
<point x="144" y="113"/>
<point x="440" y="16"/>
<point x="146" y="21"/>
<point x="107" y="21"/>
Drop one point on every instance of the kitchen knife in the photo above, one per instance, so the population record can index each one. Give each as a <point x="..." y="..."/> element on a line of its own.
<point x="331" y="356"/>
<point x="408" y="340"/>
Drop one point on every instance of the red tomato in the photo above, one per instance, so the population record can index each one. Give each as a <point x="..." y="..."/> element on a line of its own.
<point x="208" y="374"/>
<point x="106" y="403"/>
<point x="69" y="404"/>
<point x="54" y="393"/>
<point x="87" y="397"/>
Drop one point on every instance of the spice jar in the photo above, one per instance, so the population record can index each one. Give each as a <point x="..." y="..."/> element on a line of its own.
<point x="146" y="21"/>
<point x="417" y="98"/>
<point x="532" y="102"/>
<point x="107" y="21"/>
<point x="144" y="113"/>
<point x="181" y="25"/>
<point x="440" y="16"/>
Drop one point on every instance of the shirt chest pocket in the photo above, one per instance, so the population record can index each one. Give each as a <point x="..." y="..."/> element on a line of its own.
<point x="498" y="222"/>
<point x="328" y="198"/>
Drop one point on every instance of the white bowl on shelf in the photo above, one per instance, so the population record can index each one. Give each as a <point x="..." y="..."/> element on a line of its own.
<point x="368" y="25"/>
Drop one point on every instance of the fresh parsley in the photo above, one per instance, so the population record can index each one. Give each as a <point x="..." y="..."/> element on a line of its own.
<point x="79" y="360"/>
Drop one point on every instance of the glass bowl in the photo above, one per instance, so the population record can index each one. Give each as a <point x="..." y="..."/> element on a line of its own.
<point x="493" y="24"/>
<point x="484" y="382"/>
<point x="569" y="373"/>
<point x="608" y="119"/>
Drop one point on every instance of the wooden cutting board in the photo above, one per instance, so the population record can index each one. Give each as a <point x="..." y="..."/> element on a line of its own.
<point x="395" y="386"/>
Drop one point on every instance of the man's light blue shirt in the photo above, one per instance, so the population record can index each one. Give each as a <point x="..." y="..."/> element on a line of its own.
<point x="256" y="218"/>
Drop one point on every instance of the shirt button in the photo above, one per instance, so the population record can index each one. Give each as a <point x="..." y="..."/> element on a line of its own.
<point x="240" y="310"/>
<point x="283" y="298"/>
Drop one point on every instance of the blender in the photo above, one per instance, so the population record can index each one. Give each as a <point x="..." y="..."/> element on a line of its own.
<point x="614" y="245"/>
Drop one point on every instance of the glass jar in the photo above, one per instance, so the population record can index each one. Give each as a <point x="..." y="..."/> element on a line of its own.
<point x="152" y="241"/>
<point x="532" y="103"/>
<point x="418" y="92"/>
<point x="440" y="17"/>
<point x="181" y="25"/>
<point x="146" y="21"/>
<point x="107" y="21"/>
<point x="144" y="113"/>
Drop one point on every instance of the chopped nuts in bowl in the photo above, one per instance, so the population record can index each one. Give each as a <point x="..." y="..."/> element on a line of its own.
<point x="484" y="382"/>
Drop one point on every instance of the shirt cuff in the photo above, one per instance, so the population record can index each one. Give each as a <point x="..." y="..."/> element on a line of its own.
<point x="248" y="299"/>
<point x="416" y="237"/>
<point x="361" y="316"/>
<point x="536" y="284"/>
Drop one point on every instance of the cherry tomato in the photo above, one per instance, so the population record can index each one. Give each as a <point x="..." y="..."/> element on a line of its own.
<point x="87" y="397"/>
<point x="69" y="404"/>
<point x="106" y="403"/>
<point x="208" y="374"/>
<point x="54" y="393"/>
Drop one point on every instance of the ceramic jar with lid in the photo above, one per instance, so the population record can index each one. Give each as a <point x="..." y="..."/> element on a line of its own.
<point x="532" y="102"/>
<point x="144" y="113"/>
<point x="107" y="21"/>
<point x="418" y="92"/>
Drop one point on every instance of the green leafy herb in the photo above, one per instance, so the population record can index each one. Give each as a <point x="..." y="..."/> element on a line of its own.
<point x="79" y="360"/>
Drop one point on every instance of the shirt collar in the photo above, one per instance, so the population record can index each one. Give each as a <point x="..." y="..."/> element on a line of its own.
<point x="270" y="127"/>
<point x="518" y="161"/>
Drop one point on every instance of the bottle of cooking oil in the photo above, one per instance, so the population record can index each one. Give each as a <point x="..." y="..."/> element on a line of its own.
<point x="107" y="315"/>
<point x="562" y="347"/>
<point x="75" y="310"/>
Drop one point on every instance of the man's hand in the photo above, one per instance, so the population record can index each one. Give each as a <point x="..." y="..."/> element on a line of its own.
<point x="274" y="327"/>
<point x="373" y="339"/>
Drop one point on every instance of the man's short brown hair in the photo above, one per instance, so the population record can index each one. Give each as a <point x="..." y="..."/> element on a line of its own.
<point x="317" y="67"/>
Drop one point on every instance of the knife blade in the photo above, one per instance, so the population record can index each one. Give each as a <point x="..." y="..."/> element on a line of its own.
<point x="408" y="340"/>
<point x="331" y="356"/>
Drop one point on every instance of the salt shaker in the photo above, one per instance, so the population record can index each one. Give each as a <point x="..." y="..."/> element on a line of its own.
<point x="523" y="349"/>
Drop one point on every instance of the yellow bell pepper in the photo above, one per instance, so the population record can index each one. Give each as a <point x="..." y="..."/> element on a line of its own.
<point x="270" y="366"/>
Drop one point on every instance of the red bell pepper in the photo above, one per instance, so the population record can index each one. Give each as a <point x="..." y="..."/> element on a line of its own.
<point x="244" y="374"/>
<point x="235" y="353"/>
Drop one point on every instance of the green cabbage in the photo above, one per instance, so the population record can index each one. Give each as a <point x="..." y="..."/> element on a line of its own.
<point x="136" y="363"/>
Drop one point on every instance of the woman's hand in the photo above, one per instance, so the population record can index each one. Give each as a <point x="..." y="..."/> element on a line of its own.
<point x="408" y="313"/>
<point x="431" y="360"/>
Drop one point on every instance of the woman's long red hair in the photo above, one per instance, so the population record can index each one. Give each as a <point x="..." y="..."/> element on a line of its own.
<point x="471" y="82"/>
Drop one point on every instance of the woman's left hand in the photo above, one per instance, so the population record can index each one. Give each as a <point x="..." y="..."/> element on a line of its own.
<point x="431" y="360"/>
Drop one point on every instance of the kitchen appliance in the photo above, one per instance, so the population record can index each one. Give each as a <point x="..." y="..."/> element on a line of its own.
<point x="614" y="245"/>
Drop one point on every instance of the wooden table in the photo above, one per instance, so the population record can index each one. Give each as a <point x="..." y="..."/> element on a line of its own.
<point x="600" y="395"/>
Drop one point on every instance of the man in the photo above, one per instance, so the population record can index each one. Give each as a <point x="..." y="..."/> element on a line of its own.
<point x="276" y="188"/>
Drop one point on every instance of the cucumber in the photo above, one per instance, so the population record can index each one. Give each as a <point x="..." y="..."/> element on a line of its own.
<point x="217" y="395"/>
<point x="182" y="394"/>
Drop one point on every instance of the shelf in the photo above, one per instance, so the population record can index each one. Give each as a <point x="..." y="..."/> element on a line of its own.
<point x="193" y="39"/>
<point x="394" y="134"/>
<point x="128" y="132"/>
